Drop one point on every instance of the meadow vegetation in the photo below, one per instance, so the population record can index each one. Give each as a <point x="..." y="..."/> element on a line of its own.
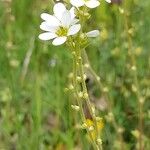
<point x="35" y="107"/>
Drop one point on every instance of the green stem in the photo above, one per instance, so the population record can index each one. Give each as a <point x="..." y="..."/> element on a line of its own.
<point x="79" y="101"/>
<point x="86" y="92"/>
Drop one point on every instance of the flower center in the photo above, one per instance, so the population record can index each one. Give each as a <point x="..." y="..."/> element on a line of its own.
<point x="62" y="31"/>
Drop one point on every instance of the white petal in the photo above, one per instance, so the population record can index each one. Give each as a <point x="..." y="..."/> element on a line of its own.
<point x="66" y="19"/>
<point x="74" y="29"/>
<point x="59" y="40"/>
<point x="59" y="9"/>
<point x="77" y="3"/>
<point x="93" y="33"/>
<point x="92" y="3"/>
<point x="72" y="12"/>
<point x="46" y="27"/>
<point x="47" y="36"/>
<point x="53" y="21"/>
<point x="108" y="1"/>
<point x="74" y="21"/>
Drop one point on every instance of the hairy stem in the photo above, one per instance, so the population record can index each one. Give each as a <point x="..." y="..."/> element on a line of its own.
<point x="79" y="101"/>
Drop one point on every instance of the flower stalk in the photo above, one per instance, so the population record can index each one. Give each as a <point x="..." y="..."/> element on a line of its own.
<point x="79" y="99"/>
<point x="78" y="71"/>
<point x="65" y="26"/>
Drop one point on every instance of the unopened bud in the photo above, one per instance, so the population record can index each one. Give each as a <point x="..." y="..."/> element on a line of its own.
<point x="98" y="78"/>
<point x="98" y="119"/>
<point x="70" y="75"/>
<point x="84" y="126"/>
<point x="121" y="10"/>
<point x="79" y="58"/>
<point x="86" y="65"/>
<point x="71" y="87"/>
<point x="135" y="133"/>
<point x="105" y="89"/>
<point x="84" y="76"/>
<point x="80" y="94"/>
<point x="134" y="89"/>
<point x="85" y="95"/>
<point x="91" y="128"/>
<point x="130" y="31"/>
<point x="73" y="43"/>
<point x="75" y="107"/>
<point x="73" y="53"/>
<point x="66" y="90"/>
<point x="99" y="141"/>
<point x="141" y="100"/>
<point x="133" y="68"/>
<point x="120" y="130"/>
<point x="79" y="79"/>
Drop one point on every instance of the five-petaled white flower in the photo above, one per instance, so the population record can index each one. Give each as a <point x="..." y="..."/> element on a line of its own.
<point x="88" y="3"/>
<point x="60" y="25"/>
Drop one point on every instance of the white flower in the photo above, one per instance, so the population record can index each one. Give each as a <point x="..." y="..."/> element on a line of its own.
<point x="60" y="25"/>
<point x="88" y="3"/>
<point x="93" y="33"/>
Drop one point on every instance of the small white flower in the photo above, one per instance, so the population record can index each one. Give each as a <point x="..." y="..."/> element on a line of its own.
<point x="88" y="3"/>
<point x="93" y="33"/>
<point x="60" y="25"/>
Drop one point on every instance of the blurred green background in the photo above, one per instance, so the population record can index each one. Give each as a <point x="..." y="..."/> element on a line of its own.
<point x="35" y="112"/>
